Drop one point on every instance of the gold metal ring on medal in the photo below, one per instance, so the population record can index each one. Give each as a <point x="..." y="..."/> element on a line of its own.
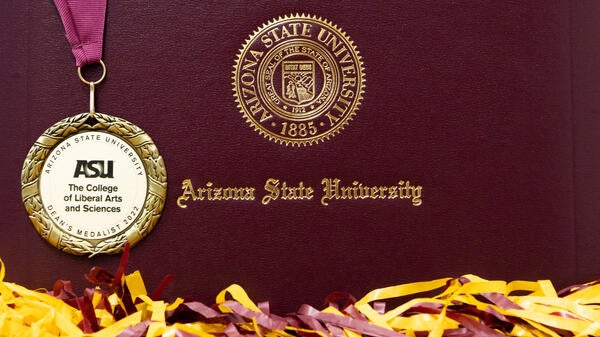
<point x="93" y="82"/>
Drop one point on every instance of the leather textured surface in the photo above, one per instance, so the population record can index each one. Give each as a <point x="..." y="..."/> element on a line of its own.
<point x="491" y="106"/>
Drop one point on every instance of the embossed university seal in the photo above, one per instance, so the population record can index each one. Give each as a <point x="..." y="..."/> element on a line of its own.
<point x="298" y="80"/>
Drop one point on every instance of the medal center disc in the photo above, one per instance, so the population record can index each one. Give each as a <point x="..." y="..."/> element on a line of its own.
<point x="93" y="185"/>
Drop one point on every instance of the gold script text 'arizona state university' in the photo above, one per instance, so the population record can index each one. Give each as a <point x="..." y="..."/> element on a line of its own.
<point x="332" y="189"/>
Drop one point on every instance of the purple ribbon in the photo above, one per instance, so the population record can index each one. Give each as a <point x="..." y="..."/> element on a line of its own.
<point x="84" y="27"/>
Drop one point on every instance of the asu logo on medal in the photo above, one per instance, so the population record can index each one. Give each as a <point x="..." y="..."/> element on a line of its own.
<point x="298" y="80"/>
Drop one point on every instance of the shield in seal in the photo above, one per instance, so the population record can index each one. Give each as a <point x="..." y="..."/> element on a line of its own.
<point x="298" y="81"/>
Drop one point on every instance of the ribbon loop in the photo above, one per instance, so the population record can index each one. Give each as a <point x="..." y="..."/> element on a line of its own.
<point x="84" y="28"/>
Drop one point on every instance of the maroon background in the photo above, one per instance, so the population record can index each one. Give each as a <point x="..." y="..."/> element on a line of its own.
<point x="494" y="107"/>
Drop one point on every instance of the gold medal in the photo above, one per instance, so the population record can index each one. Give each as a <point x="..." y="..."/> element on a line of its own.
<point x="93" y="182"/>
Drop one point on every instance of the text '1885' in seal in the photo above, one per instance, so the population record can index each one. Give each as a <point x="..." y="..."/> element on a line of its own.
<point x="92" y="184"/>
<point x="298" y="80"/>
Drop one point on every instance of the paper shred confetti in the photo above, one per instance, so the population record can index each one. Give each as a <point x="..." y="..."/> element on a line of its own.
<point x="467" y="306"/>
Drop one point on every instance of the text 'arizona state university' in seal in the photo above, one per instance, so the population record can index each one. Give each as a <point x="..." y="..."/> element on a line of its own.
<point x="298" y="80"/>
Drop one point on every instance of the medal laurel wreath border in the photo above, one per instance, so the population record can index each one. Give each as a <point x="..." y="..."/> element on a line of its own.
<point x="155" y="194"/>
<point x="331" y="132"/>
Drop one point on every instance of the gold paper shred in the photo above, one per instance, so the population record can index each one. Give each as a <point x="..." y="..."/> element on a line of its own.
<point x="464" y="306"/>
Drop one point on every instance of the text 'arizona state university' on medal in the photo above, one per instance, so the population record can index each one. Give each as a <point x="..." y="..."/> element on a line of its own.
<point x="298" y="80"/>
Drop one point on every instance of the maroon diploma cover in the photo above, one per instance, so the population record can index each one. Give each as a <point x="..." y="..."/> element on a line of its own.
<point x="482" y="119"/>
